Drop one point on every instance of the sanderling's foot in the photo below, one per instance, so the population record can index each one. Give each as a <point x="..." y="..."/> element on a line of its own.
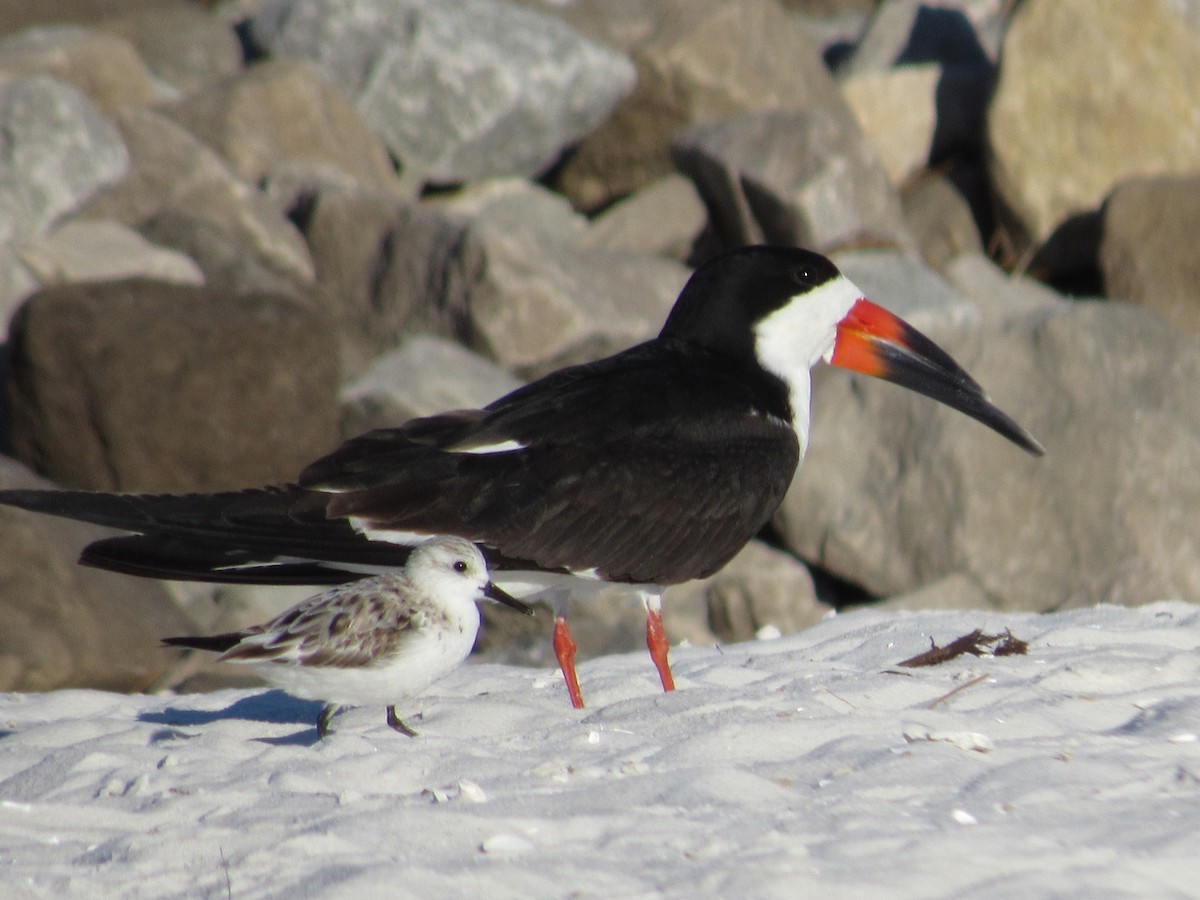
<point x="327" y="713"/>
<point x="394" y="721"/>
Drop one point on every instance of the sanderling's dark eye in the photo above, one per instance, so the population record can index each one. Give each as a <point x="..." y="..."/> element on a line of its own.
<point x="460" y="566"/>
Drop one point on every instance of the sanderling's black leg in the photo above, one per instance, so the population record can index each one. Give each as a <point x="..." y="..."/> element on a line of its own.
<point x="394" y="721"/>
<point x="323" y="719"/>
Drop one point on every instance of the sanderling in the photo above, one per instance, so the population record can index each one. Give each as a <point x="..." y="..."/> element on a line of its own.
<point x="374" y="641"/>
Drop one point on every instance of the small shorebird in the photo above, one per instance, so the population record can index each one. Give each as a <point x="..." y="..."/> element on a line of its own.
<point x="375" y="641"/>
<point x="648" y="468"/>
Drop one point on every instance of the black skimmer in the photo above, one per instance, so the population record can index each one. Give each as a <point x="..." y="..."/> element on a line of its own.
<point x="648" y="468"/>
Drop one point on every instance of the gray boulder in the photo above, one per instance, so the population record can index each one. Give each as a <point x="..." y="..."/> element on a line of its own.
<point x="805" y="179"/>
<point x="919" y="80"/>
<point x="955" y="591"/>
<point x="897" y="112"/>
<point x="921" y="113"/>
<point x="423" y="376"/>
<point x="761" y="593"/>
<point x="99" y="250"/>
<point x="500" y="268"/>
<point x="378" y="278"/>
<point x="280" y="111"/>
<point x="537" y="299"/>
<point x="993" y="291"/>
<point x="457" y="91"/>
<point x="183" y="44"/>
<point x="664" y="218"/>
<point x="221" y="254"/>
<point x="57" y="150"/>
<point x="172" y="170"/>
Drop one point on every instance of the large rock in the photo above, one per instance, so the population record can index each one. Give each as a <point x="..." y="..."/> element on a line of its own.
<point x="354" y="234"/>
<point x="423" y="376"/>
<point x="56" y="150"/>
<point x="458" y="90"/>
<point x="1090" y="94"/>
<point x="898" y="492"/>
<point x="102" y="66"/>
<point x="86" y="250"/>
<point x="172" y="170"/>
<point x="697" y="61"/>
<point x="1148" y="250"/>
<point x="535" y="298"/>
<point x="897" y="111"/>
<point x="761" y="592"/>
<point x="221" y="254"/>
<point x="919" y="80"/>
<point x="183" y="44"/>
<point x="500" y="268"/>
<point x="666" y="217"/>
<point x="806" y="179"/>
<point x="992" y="290"/>
<point x="904" y="32"/>
<point x="282" y="111"/>
<point x="16" y="15"/>
<point x="920" y="113"/>
<point x="143" y="386"/>
<point x="940" y="220"/>
<point x="69" y="626"/>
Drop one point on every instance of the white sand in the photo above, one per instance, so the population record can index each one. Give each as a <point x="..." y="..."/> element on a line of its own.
<point x="778" y="769"/>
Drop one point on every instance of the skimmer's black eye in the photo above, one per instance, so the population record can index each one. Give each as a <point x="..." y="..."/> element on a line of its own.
<point x="812" y="269"/>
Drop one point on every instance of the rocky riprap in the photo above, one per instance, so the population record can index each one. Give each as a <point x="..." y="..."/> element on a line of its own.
<point x="234" y="233"/>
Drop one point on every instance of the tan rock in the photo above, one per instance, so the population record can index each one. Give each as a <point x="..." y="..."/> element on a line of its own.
<point x="1088" y="94"/>
<point x="70" y="626"/>
<point x="172" y="169"/>
<point x="696" y="62"/>
<point x="897" y="111"/>
<point x="102" y="66"/>
<point x="146" y="386"/>
<point x="284" y="110"/>
<point x="1148" y="251"/>
<point x="104" y="251"/>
